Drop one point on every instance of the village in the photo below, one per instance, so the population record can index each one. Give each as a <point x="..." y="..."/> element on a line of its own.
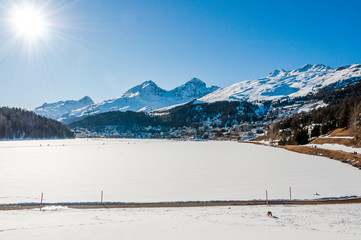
<point x="206" y="132"/>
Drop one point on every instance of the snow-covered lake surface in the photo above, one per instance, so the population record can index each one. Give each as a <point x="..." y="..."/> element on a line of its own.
<point x="158" y="170"/>
<point x="236" y="222"/>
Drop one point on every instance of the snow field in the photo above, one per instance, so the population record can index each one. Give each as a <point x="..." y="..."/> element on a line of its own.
<point x="159" y="171"/>
<point x="236" y="222"/>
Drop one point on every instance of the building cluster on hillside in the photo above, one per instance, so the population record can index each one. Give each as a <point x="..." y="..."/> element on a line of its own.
<point x="208" y="132"/>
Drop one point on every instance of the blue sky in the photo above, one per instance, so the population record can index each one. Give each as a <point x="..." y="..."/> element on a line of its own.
<point x="102" y="48"/>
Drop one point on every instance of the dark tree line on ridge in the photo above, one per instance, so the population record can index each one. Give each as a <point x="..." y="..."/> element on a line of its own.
<point x="16" y="123"/>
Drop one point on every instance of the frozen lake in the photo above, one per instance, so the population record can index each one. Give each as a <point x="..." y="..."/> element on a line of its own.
<point x="159" y="170"/>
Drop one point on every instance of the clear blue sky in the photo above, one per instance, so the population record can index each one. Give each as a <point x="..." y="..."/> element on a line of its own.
<point x="102" y="48"/>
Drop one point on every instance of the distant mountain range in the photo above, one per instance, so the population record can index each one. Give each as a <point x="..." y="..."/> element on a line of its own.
<point x="281" y="84"/>
<point x="148" y="97"/>
<point x="58" y="109"/>
<point x="142" y="98"/>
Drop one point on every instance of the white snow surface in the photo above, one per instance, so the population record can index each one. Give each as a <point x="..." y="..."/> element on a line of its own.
<point x="326" y="222"/>
<point x="129" y="170"/>
<point x="329" y="136"/>
<point x="280" y="83"/>
<point x="310" y="106"/>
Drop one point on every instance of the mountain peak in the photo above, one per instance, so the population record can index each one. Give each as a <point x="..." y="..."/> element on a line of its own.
<point x="147" y="83"/>
<point x="86" y="99"/>
<point x="194" y="88"/>
<point x="145" y="88"/>
<point x="315" y="67"/>
<point x="277" y="72"/>
<point x="196" y="81"/>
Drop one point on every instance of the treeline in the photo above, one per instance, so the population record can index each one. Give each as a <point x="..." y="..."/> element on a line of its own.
<point x="344" y="111"/>
<point x="16" y="123"/>
<point x="124" y="121"/>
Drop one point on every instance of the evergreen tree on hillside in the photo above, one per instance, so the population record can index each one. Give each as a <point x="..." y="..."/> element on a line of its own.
<point x="345" y="114"/>
<point x="301" y="137"/>
<point x="355" y="116"/>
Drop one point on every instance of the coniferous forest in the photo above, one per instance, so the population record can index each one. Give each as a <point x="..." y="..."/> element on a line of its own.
<point x="16" y="123"/>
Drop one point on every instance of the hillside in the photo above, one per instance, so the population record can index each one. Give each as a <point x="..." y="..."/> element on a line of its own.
<point x="16" y="123"/>
<point x="343" y="111"/>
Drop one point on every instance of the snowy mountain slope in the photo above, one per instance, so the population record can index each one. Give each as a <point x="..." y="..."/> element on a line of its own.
<point x="144" y="97"/>
<point x="280" y="83"/>
<point x="58" y="109"/>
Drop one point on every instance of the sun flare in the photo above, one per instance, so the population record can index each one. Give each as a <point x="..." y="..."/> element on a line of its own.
<point x="28" y="21"/>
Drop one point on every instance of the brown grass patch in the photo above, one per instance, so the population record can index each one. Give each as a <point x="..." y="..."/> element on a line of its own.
<point x="260" y="138"/>
<point x="342" y="132"/>
<point x="343" y="141"/>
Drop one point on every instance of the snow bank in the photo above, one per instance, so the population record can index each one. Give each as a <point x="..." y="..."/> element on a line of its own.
<point x="53" y="208"/>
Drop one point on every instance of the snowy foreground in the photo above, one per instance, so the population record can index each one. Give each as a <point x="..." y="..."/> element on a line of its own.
<point x="241" y="222"/>
<point x="154" y="170"/>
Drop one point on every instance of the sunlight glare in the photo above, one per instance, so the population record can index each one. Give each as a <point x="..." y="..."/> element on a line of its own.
<point x="28" y="22"/>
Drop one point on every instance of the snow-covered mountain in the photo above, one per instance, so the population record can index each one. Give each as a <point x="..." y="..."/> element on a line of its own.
<point x="144" y="97"/>
<point x="58" y="109"/>
<point x="148" y="96"/>
<point x="280" y="83"/>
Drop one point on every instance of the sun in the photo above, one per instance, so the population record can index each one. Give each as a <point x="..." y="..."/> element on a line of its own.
<point x="28" y="22"/>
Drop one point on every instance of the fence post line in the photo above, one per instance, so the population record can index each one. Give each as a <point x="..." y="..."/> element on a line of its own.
<point x="290" y="193"/>
<point x="41" y="200"/>
<point x="266" y="197"/>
